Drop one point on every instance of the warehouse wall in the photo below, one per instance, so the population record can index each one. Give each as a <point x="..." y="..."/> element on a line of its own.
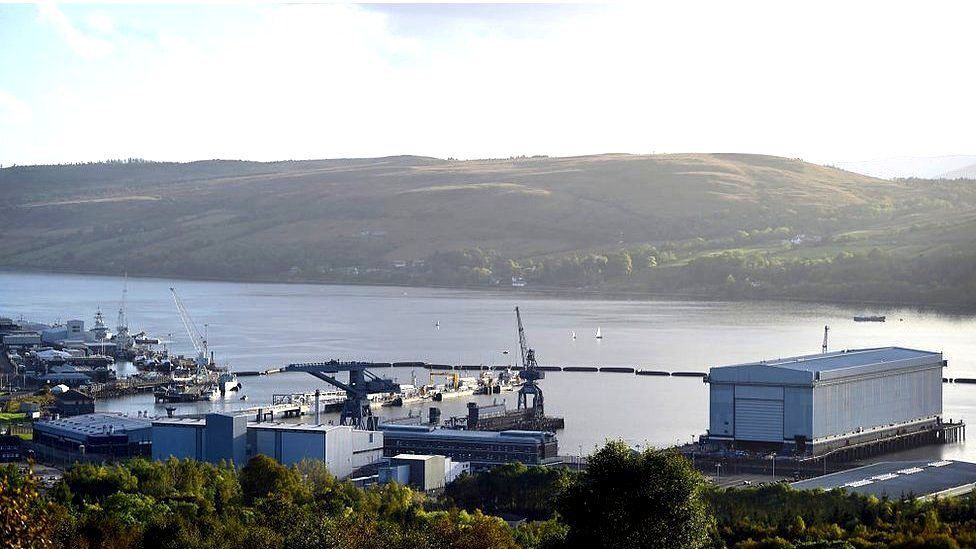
<point x="179" y="441"/>
<point x="720" y="410"/>
<point x="843" y="407"/>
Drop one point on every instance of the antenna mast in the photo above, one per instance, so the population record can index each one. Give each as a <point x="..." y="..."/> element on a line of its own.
<point x="826" y="330"/>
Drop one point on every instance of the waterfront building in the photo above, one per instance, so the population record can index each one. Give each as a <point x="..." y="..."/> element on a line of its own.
<point x="810" y="405"/>
<point x="100" y="435"/>
<point x="480" y="448"/>
<point x="73" y="403"/>
<point x="231" y="437"/>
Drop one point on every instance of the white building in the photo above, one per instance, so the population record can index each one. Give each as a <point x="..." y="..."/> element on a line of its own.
<point x="342" y="448"/>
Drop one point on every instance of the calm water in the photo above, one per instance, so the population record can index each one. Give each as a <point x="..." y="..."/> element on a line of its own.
<point x="258" y="326"/>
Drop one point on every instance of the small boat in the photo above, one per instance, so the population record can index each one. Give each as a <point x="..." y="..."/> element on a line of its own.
<point x="574" y="336"/>
<point x="243" y="397"/>
<point x="877" y="318"/>
<point x="437" y="325"/>
<point x="599" y="335"/>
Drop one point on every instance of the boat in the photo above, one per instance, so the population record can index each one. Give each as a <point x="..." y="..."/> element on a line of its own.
<point x="227" y="382"/>
<point x="178" y="392"/>
<point x="574" y="336"/>
<point x="211" y="392"/>
<point x="599" y="335"/>
<point x="874" y="318"/>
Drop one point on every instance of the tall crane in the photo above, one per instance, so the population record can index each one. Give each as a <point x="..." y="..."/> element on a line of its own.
<point x="362" y="383"/>
<point x="530" y="373"/>
<point x="199" y="342"/>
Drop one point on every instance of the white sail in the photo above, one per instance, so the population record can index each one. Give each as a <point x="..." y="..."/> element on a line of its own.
<point x="599" y="335"/>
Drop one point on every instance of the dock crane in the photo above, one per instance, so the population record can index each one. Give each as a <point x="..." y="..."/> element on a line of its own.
<point x="362" y="383"/>
<point x="530" y="373"/>
<point x="199" y="342"/>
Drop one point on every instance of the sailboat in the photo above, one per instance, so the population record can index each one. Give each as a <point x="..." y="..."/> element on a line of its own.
<point x="574" y="336"/>
<point x="598" y="334"/>
<point x="437" y="325"/>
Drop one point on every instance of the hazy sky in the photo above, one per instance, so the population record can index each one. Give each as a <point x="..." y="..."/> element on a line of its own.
<point x="827" y="82"/>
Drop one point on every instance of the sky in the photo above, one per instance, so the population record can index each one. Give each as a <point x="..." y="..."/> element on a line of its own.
<point x="825" y="81"/>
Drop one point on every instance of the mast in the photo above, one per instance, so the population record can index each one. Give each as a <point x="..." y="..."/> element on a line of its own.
<point x="823" y="349"/>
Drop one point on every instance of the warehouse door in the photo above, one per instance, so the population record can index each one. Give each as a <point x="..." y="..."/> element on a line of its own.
<point x="759" y="419"/>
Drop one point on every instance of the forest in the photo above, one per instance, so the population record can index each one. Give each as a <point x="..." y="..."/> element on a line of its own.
<point x="623" y="498"/>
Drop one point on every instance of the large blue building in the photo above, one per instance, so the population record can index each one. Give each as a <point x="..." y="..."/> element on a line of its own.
<point x="815" y="403"/>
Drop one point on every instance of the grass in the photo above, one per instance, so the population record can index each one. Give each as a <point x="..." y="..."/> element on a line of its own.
<point x="12" y="416"/>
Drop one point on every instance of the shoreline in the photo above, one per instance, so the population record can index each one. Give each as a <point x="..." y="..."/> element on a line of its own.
<point x="535" y="291"/>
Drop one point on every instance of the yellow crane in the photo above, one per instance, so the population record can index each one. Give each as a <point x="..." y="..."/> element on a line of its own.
<point x="453" y="376"/>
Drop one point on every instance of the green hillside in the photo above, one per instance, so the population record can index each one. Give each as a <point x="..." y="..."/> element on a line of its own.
<point x="698" y="224"/>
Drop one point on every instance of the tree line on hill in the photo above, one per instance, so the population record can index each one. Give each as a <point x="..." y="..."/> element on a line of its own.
<point x="623" y="498"/>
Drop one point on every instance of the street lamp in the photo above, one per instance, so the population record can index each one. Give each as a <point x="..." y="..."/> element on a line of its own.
<point x="717" y="467"/>
<point x="772" y="459"/>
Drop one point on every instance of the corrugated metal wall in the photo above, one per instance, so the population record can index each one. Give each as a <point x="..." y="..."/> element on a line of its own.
<point x="864" y="403"/>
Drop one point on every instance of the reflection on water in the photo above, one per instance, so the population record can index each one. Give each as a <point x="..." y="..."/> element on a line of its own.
<point x="259" y="326"/>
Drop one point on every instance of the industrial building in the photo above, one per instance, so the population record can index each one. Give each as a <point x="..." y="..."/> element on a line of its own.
<point x="813" y="404"/>
<point x="428" y="473"/>
<point x="342" y="448"/>
<point x="217" y="437"/>
<point x="480" y="448"/>
<point x="900" y="479"/>
<point x="105" y="435"/>
<point x="232" y="438"/>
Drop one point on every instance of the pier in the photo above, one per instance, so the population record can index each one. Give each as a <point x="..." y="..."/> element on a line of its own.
<point x="126" y="386"/>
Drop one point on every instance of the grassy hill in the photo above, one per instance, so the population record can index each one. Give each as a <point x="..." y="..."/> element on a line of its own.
<point x="554" y="221"/>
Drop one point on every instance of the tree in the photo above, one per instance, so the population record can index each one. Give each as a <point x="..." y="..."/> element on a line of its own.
<point x="636" y="499"/>
<point x="24" y="516"/>
<point x="263" y="476"/>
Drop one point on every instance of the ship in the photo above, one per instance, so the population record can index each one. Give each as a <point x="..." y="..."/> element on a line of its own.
<point x="874" y="318"/>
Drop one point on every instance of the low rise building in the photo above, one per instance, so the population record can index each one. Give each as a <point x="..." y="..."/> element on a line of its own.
<point x="105" y="435"/>
<point x="342" y="448"/>
<point x="73" y="402"/>
<point x="479" y="448"/>
<point x="424" y="472"/>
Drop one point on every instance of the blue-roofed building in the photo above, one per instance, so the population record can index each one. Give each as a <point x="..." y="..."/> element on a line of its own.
<point x="480" y="448"/>
<point x="103" y="435"/>
<point x="815" y="403"/>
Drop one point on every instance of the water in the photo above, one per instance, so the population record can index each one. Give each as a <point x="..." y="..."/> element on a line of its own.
<point x="259" y="326"/>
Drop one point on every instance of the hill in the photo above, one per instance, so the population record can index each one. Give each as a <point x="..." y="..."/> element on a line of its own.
<point x="966" y="172"/>
<point x="574" y="222"/>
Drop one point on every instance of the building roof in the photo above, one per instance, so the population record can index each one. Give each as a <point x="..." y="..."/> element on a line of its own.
<point x="184" y="421"/>
<point x="809" y="369"/>
<point x="851" y="358"/>
<point x="73" y="394"/>
<point x="307" y="427"/>
<point x="86" y="425"/>
<point x="416" y="457"/>
<point x="896" y="479"/>
<point x="437" y="432"/>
